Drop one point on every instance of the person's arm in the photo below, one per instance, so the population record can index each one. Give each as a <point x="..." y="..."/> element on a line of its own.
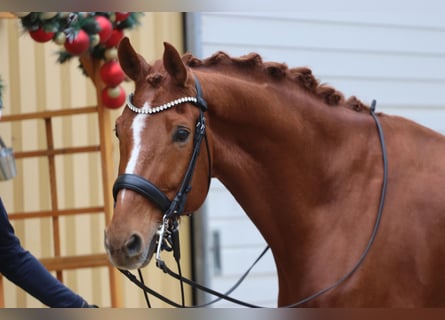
<point x="26" y="271"/>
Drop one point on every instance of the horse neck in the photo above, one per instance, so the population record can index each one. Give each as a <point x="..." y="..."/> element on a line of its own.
<point x="286" y="156"/>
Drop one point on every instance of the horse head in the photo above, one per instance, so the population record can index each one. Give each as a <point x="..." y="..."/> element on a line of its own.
<point x="157" y="134"/>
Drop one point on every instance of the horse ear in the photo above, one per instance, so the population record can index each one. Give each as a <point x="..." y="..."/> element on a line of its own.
<point x="133" y="64"/>
<point x="174" y="65"/>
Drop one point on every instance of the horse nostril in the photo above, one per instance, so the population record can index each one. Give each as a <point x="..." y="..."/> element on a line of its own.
<point x="133" y="245"/>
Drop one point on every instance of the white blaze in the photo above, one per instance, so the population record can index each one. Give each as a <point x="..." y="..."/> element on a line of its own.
<point x="137" y="127"/>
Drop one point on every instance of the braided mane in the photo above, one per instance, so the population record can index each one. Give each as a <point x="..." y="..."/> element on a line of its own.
<point x="302" y="76"/>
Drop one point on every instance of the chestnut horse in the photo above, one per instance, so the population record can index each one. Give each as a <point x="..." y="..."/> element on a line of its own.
<point x="303" y="162"/>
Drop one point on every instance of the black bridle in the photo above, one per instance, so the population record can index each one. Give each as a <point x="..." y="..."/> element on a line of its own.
<point x="169" y="236"/>
<point x="149" y="190"/>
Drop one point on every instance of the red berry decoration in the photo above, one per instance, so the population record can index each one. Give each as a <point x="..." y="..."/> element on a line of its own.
<point x="115" y="38"/>
<point x="113" y="98"/>
<point x="111" y="73"/>
<point x="79" y="44"/>
<point x="41" y="35"/>
<point x="121" y="16"/>
<point x="105" y="27"/>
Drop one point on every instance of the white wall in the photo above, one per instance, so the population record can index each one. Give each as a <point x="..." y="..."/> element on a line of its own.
<point x="396" y="58"/>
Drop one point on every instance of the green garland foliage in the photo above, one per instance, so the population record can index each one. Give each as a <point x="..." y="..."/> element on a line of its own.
<point x="70" y="24"/>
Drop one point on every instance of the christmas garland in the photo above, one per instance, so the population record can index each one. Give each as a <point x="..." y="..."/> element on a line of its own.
<point x="79" y="31"/>
<point x="96" y="33"/>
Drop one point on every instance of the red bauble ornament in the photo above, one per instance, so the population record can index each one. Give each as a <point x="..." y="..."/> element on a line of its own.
<point x="41" y="35"/>
<point x="115" y="38"/>
<point x="79" y="44"/>
<point x="105" y="27"/>
<point x="121" y="16"/>
<point x="111" y="73"/>
<point x="113" y="98"/>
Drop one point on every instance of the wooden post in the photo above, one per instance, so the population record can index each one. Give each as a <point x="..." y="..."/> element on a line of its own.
<point x="92" y="68"/>
<point x="53" y="187"/>
<point x="2" y="293"/>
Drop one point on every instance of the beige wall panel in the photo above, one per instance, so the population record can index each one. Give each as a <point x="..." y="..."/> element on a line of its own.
<point x="36" y="82"/>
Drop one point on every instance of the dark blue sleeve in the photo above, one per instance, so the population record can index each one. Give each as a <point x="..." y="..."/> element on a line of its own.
<point x="23" y="269"/>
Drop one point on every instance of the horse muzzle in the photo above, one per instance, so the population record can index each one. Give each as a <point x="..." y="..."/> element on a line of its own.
<point x="130" y="252"/>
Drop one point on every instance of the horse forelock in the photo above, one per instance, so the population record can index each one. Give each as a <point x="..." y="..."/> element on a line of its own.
<point x="275" y="71"/>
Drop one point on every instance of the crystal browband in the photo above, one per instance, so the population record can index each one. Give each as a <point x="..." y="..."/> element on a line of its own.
<point x="165" y="106"/>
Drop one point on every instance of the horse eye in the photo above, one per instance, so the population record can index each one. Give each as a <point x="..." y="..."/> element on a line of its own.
<point x="181" y="135"/>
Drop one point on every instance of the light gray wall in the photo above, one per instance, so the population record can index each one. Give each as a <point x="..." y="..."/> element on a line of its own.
<point x="396" y="58"/>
